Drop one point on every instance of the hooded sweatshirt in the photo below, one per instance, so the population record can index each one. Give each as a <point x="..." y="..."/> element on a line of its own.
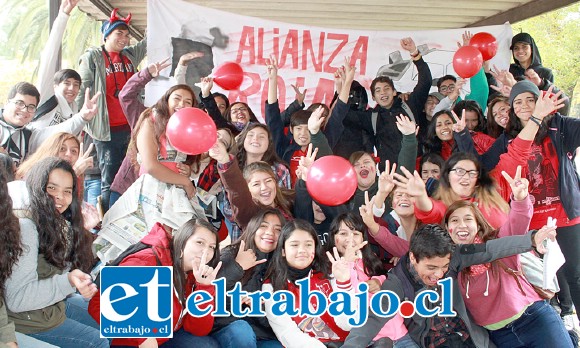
<point x="518" y="70"/>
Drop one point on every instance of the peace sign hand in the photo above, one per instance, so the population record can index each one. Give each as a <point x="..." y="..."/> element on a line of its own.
<point x="247" y="258"/>
<point x="386" y="179"/>
<point x="459" y="124"/>
<point x="340" y="268"/>
<point x="518" y="184"/>
<point x="272" y="66"/>
<point x="203" y="273"/>
<point x="155" y="68"/>
<point x="366" y="213"/>
<point x="84" y="161"/>
<point x="306" y="162"/>
<point x="299" y="95"/>
<point x="90" y="107"/>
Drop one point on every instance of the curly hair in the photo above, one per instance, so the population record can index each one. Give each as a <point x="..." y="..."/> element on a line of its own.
<point x="52" y="227"/>
<point x="11" y="246"/>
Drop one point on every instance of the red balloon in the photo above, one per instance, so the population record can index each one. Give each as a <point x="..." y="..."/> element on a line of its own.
<point x="467" y="61"/>
<point x="485" y="43"/>
<point x="331" y="180"/>
<point x="229" y="76"/>
<point x="191" y="130"/>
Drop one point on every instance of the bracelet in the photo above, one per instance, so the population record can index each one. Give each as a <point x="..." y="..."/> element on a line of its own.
<point x="415" y="54"/>
<point x="536" y="120"/>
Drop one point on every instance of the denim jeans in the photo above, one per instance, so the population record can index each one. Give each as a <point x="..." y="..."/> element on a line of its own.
<point x="113" y="197"/>
<point x="239" y="334"/>
<point x="569" y="240"/>
<point x="25" y="341"/>
<point x="539" y="326"/>
<point x="78" y="330"/>
<point x="182" y="338"/>
<point x="92" y="191"/>
<point x="111" y="154"/>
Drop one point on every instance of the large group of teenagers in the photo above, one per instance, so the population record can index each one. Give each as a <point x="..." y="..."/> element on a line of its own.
<point x="444" y="189"/>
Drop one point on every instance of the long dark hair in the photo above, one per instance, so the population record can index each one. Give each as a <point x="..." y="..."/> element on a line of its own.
<point x="471" y="105"/>
<point x="161" y="109"/>
<point x="433" y="143"/>
<point x="249" y="234"/>
<point x="284" y="197"/>
<point x="494" y="130"/>
<point x="372" y="265"/>
<point x="277" y="271"/>
<point x="11" y="246"/>
<point x="228" y="112"/>
<point x="52" y="226"/>
<point x="269" y="156"/>
<point x="180" y="238"/>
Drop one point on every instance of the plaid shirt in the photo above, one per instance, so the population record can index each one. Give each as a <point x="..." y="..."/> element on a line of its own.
<point x="209" y="177"/>
<point x="441" y="327"/>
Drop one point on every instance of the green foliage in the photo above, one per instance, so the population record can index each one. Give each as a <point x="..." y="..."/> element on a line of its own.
<point x="557" y="35"/>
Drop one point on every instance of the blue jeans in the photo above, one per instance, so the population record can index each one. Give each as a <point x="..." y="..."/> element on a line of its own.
<point x="92" y="191"/>
<point x="25" y="341"/>
<point x="239" y="334"/>
<point x="114" y="196"/>
<point x="78" y="330"/>
<point x="111" y="154"/>
<point x="405" y="342"/>
<point x="539" y="326"/>
<point x="182" y="338"/>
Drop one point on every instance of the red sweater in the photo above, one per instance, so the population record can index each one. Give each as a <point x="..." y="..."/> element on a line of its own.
<point x="160" y="242"/>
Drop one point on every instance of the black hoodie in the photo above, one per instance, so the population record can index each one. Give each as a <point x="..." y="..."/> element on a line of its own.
<point x="519" y="71"/>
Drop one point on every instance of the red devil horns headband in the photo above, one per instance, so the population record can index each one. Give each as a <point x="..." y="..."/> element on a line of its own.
<point x="115" y="17"/>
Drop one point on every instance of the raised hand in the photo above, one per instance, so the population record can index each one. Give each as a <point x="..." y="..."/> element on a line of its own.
<point x="340" y="268"/>
<point x="90" y="107"/>
<point x="349" y="70"/>
<point x="272" y="67"/>
<point x="205" y="274"/>
<point x="339" y="77"/>
<point x="306" y="162"/>
<point x="465" y="37"/>
<point x="412" y="184"/>
<point x="366" y="213"/>
<point x="155" y="68"/>
<point x="188" y="57"/>
<point x="518" y="184"/>
<point x="386" y="179"/>
<point x="84" y="161"/>
<point x="459" y="124"/>
<point x="548" y="103"/>
<point x="219" y="153"/>
<point x="503" y="76"/>
<point x="299" y="95"/>
<point x="316" y="120"/>
<point x="67" y="6"/>
<point x="542" y="234"/>
<point x="408" y="44"/>
<point x="533" y="76"/>
<point x="458" y="86"/>
<point x="247" y="258"/>
<point x="504" y="90"/>
<point x="405" y="125"/>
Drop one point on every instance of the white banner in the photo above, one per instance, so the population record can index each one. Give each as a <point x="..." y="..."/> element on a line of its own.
<point x="308" y="56"/>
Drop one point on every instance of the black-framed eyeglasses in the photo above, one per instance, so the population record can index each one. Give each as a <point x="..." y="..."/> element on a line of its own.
<point x="239" y="110"/>
<point x="449" y="88"/>
<point x="461" y="172"/>
<point x="22" y="106"/>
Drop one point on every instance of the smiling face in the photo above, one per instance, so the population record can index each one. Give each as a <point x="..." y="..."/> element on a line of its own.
<point x="430" y="269"/>
<point x="471" y="120"/>
<point x="523" y="53"/>
<point x="447" y="87"/>
<point x="366" y="172"/>
<point x="69" y="151"/>
<point x="179" y="99"/>
<point x="239" y="113"/>
<point x="202" y="240"/>
<point x="524" y="105"/>
<point x="266" y="237"/>
<point x="462" y="226"/>
<point x="256" y="141"/>
<point x="403" y="203"/>
<point x="444" y="127"/>
<point x="60" y="188"/>
<point x="500" y="112"/>
<point x="68" y="88"/>
<point x="301" y="135"/>
<point x="430" y="170"/>
<point x="221" y="104"/>
<point x="384" y="94"/>
<point x="16" y="116"/>
<point x="463" y="186"/>
<point x="430" y="105"/>
<point x="117" y="40"/>
<point x="345" y="237"/>
<point x="262" y="188"/>
<point x="299" y="249"/>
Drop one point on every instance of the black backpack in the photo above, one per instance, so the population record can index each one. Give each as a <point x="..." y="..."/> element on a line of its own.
<point x="133" y="249"/>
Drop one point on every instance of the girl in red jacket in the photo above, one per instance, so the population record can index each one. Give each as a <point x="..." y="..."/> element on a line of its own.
<point x="191" y="245"/>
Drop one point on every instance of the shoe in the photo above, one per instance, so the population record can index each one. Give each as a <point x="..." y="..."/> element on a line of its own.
<point x="571" y="322"/>
<point x="100" y="207"/>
